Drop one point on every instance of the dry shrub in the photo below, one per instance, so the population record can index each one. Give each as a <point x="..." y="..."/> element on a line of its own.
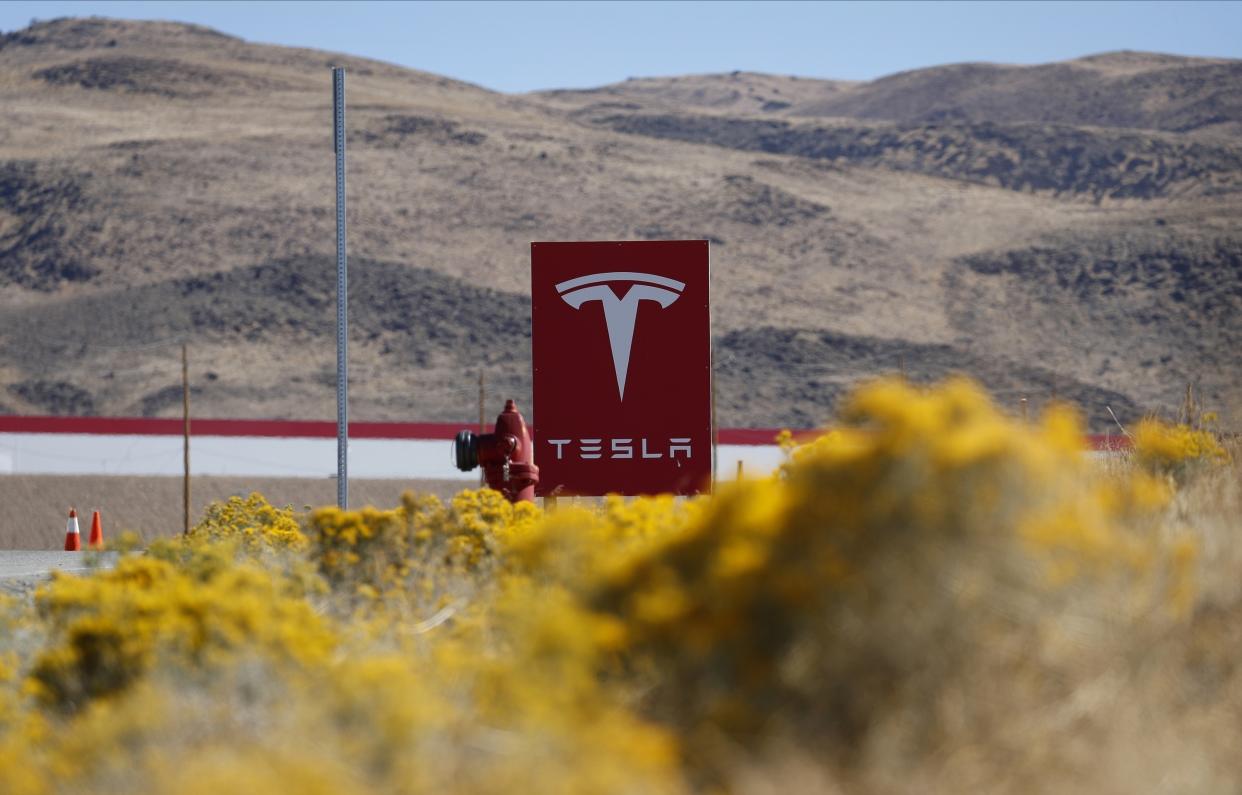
<point x="924" y="538"/>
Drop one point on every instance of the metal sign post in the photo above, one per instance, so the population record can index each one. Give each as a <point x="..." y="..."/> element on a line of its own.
<point x="342" y="294"/>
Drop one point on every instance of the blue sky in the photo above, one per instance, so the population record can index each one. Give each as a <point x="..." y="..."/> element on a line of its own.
<point x="519" y="46"/>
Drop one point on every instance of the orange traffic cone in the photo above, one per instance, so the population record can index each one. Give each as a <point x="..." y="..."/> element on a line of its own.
<point x="96" y="541"/>
<point x="73" y="536"/>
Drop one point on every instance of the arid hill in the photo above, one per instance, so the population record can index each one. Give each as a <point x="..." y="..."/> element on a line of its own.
<point x="1117" y="89"/>
<point x="1063" y="230"/>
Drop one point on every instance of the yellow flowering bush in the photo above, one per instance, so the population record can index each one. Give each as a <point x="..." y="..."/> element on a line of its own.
<point x="869" y="561"/>
<point x="252" y="522"/>
<point x="571" y="546"/>
<point x="1175" y="449"/>
<point x="110" y="629"/>
<point x="383" y="549"/>
<point x="930" y="597"/>
<point x="199" y="665"/>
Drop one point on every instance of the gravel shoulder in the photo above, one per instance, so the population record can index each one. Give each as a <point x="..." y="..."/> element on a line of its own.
<point x="22" y="570"/>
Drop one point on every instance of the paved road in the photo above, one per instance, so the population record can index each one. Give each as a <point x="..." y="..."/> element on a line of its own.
<point x="22" y="570"/>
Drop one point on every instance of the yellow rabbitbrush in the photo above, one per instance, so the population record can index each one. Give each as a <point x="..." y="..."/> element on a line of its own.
<point x="927" y="576"/>
<point x="109" y="630"/>
<point x="873" y="558"/>
<point x="251" y="522"/>
<point x="1177" y="450"/>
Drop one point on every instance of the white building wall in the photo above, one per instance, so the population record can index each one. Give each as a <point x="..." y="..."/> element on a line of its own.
<point x="96" y="454"/>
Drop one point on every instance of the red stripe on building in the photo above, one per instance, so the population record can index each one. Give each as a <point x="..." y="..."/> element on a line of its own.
<point x="316" y="429"/>
<point x="759" y="436"/>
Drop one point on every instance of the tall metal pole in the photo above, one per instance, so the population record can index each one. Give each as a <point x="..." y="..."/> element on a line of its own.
<point x="185" y="440"/>
<point x="342" y="294"/>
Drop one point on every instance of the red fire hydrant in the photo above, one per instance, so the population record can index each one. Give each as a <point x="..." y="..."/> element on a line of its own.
<point x="507" y="455"/>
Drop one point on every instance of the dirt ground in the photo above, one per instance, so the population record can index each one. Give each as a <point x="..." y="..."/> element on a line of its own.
<point x="35" y="507"/>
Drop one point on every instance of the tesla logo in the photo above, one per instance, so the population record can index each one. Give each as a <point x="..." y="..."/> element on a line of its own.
<point x="620" y="313"/>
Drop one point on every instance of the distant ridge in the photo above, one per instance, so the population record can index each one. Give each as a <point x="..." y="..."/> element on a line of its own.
<point x="73" y="33"/>
<point x="1124" y="89"/>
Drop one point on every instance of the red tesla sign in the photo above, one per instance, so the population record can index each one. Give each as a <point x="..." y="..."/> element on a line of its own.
<point x="621" y="338"/>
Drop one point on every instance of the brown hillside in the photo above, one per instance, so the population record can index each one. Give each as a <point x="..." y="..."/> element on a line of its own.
<point x="162" y="182"/>
<point x="1117" y="89"/>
